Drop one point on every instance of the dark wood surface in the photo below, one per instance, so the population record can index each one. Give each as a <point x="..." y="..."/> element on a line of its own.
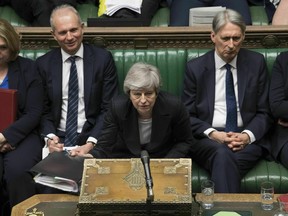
<point x="66" y="205"/>
<point x="47" y="204"/>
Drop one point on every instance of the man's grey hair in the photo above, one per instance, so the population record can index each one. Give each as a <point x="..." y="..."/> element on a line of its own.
<point x="60" y="7"/>
<point x="228" y="16"/>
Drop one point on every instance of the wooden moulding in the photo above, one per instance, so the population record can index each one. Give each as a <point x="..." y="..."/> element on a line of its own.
<point x="155" y="37"/>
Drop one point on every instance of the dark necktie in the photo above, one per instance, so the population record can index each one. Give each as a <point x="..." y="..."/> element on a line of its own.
<point x="231" y="106"/>
<point x="72" y="112"/>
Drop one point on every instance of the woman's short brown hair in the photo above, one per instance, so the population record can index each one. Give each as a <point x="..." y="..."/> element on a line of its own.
<point x="11" y="37"/>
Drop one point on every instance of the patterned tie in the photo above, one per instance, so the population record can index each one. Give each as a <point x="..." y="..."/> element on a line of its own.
<point x="231" y="106"/>
<point x="72" y="113"/>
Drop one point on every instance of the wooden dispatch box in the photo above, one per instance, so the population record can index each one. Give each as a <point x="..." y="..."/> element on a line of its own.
<point x="118" y="187"/>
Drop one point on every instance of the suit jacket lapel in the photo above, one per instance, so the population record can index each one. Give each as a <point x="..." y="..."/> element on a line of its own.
<point x="161" y="120"/>
<point x="210" y="84"/>
<point x="242" y="76"/>
<point x="56" y="77"/>
<point x="88" y="73"/>
<point x="13" y="74"/>
<point x="131" y="130"/>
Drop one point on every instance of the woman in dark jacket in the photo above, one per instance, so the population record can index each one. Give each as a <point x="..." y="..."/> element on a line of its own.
<point x="145" y="119"/>
<point x="20" y="144"/>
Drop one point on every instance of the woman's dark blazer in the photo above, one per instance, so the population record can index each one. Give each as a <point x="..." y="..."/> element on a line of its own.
<point x="22" y="75"/>
<point x="278" y="98"/>
<point x="23" y="133"/>
<point x="171" y="135"/>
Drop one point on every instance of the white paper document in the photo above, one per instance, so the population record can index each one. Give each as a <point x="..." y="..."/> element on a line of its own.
<point x="57" y="182"/>
<point x="45" y="150"/>
<point x="203" y="15"/>
<point x="113" y="6"/>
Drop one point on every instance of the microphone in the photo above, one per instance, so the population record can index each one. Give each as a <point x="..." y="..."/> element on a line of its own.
<point x="149" y="182"/>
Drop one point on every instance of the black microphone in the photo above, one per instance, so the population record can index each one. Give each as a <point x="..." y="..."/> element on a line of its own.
<point x="149" y="182"/>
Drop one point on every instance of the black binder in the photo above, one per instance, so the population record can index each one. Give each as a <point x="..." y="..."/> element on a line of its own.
<point x="61" y="171"/>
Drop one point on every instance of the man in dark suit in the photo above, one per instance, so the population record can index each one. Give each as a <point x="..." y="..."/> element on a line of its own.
<point x="227" y="153"/>
<point x="278" y="102"/>
<point x="97" y="82"/>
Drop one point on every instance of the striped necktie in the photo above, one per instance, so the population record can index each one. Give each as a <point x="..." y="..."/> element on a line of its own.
<point x="231" y="106"/>
<point x="72" y="113"/>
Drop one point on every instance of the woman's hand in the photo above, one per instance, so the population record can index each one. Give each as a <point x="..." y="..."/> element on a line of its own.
<point x="282" y="123"/>
<point x="6" y="147"/>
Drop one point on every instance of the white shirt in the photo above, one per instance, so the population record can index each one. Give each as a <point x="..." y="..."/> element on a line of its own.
<point x="219" y="116"/>
<point x="66" y="64"/>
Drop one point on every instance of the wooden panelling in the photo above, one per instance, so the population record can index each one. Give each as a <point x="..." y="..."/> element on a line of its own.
<point x="155" y="37"/>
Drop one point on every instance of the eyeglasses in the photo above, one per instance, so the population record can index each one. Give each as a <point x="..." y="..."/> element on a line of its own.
<point x="139" y="94"/>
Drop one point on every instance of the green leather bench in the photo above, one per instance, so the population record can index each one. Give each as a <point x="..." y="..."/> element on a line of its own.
<point x="161" y="18"/>
<point x="171" y="63"/>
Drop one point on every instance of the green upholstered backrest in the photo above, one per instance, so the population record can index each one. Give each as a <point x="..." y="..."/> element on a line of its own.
<point x="258" y="15"/>
<point x="33" y="54"/>
<point x="7" y="13"/>
<point x="198" y="175"/>
<point x="87" y="10"/>
<point x="263" y="171"/>
<point x="172" y="63"/>
<point x="270" y="56"/>
<point x="161" y="18"/>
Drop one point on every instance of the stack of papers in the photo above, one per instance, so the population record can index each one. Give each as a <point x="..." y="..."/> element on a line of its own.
<point x="113" y="6"/>
<point x="57" y="182"/>
<point x="203" y="15"/>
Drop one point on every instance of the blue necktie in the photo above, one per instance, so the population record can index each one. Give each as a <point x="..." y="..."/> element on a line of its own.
<point x="231" y="106"/>
<point x="72" y="113"/>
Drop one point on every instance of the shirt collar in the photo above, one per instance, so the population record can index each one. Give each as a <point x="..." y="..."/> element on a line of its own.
<point x="79" y="53"/>
<point x="219" y="63"/>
